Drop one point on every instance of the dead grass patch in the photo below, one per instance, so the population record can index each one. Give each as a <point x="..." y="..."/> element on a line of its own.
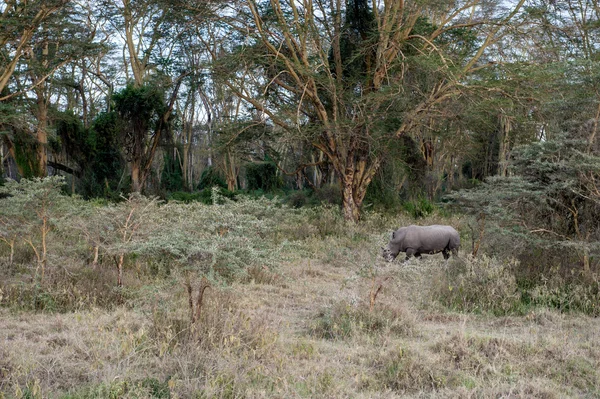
<point x="407" y="372"/>
<point x="261" y="275"/>
<point x="479" y="356"/>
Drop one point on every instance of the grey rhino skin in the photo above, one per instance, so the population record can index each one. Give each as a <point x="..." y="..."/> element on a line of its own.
<point x="417" y="240"/>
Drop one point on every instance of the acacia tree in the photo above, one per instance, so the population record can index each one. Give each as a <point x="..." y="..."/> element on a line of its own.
<point x="350" y="77"/>
<point x="38" y="38"/>
<point x="20" y="20"/>
<point x="153" y="33"/>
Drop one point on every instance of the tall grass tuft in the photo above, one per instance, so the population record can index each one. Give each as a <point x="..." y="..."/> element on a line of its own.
<point x="480" y="285"/>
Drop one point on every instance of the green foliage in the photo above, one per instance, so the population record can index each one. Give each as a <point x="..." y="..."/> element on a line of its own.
<point x="172" y="175"/>
<point x="25" y="156"/>
<point x="206" y="196"/>
<point x="419" y="208"/>
<point x="140" y="110"/>
<point x="30" y="206"/>
<point x="210" y="178"/>
<point x="329" y="194"/>
<point x="401" y="175"/>
<point x="567" y="295"/>
<point x="139" y="106"/>
<point x="382" y="195"/>
<point x="488" y="285"/>
<point x="64" y="290"/>
<point x="549" y="199"/>
<point x="94" y="150"/>
<point x="78" y="143"/>
<point x="358" y="29"/>
<point x="185" y="197"/>
<point x="297" y="199"/>
<point x="262" y="176"/>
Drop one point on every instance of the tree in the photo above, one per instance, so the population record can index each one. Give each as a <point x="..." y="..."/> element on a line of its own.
<point x="550" y="198"/>
<point x="350" y="78"/>
<point x="20" y="21"/>
<point x="56" y="41"/>
<point x="29" y="212"/>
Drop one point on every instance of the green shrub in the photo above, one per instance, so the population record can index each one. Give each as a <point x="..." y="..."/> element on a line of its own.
<point x="210" y="178"/>
<point x="567" y="296"/>
<point x="297" y="199"/>
<point x="204" y="196"/>
<point x="329" y="194"/>
<point x="262" y="176"/>
<point x="328" y="221"/>
<point x="185" y="197"/>
<point x="420" y="208"/>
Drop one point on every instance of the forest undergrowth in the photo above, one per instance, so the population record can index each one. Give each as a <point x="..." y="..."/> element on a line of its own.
<point x="253" y="299"/>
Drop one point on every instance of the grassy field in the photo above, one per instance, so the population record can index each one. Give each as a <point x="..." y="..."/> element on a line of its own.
<point x="318" y="315"/>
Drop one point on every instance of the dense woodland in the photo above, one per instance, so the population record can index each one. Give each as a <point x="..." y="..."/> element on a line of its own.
<point x="370" y="105"/>
<point x="193" y="194"/>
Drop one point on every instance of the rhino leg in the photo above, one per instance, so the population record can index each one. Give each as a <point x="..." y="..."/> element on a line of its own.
<point x="445" y="253"/>
<point x="410" y="252"/>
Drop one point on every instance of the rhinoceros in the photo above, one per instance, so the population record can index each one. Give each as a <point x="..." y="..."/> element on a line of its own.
<point x="417" y="240"/>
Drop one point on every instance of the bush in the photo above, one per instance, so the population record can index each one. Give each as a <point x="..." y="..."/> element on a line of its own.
<point x="64" y="290"/>
<point x="345" y="320"/>
<point x="329" y="194"/>
<point x="211" y="178"/>
<point x="567" y="296"/>
<point x="297" y="199"/>
<point x="420" y="208"/>
<point x="404" y="371"/>
<point x="262" y="176"/>
<point x="479" y="285"/>
<point x="204" y="196"/>
<point x="185" y="197"/>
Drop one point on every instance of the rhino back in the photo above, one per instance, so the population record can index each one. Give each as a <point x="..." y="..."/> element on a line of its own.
<point x="435" y="238"/>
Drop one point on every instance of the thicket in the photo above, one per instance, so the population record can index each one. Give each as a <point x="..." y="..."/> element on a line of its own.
<point x="61" y="252"/>
<point x="545" y="213"/>
<point x="549" y="201"/>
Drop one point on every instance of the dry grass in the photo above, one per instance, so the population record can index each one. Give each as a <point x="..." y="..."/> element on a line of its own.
<point x="302" y="330"/>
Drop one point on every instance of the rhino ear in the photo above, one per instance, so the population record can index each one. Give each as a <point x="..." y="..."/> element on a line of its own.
<point x="393" y="235"/>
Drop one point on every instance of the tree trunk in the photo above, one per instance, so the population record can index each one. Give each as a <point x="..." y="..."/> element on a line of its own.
<point x="350" y="208"/>
<point x="230" y="172"/>
<point x="505" y="128"/>
<point x="120" y="270"/>
<point x="12" y="152"/>
<point x="136" y="66"/>
<point x="136" y="186"/>
<point x="355" y="180"/>
<point x="185" y="167"/>
<point x="42" y="134"/>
